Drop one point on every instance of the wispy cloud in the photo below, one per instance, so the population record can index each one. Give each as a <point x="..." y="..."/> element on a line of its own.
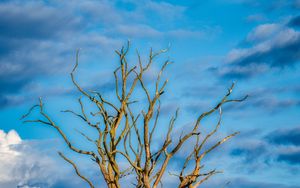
<point x="244" y="182"/>
<point x="285" y="137"/>
<point x="38" y="39"/>
<point x="256" y="18"/>
<point x="269" y="6"/>
<point x="295" y="22"/>
<point x="281" y="145"/>
<point x="292" y="158"/>
<point x="268" y="47"/>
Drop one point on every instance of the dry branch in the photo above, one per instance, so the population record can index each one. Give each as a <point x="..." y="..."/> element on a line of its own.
<point x="136" y="130"/>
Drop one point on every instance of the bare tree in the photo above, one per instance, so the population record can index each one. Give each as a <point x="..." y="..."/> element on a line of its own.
<point x="123" y="133"/>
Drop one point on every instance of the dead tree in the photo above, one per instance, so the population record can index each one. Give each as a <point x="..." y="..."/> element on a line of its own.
<point x="122" y="132"/>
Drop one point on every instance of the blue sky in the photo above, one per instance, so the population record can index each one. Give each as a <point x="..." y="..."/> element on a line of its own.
<point x="212" y="43"/>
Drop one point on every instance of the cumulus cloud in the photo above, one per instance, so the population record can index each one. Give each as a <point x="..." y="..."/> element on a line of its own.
<point x="25" y="164"/>
<point x="6" y="153"/>
<point x="18" y="165"/>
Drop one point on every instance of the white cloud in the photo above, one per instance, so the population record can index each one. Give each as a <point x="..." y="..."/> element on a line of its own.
<point x="35" y="164"/>
<point x="267" y="38"/>
<point x="164" y="9"/>
<point x="267" y="47"/>
<point x="7" y="154"/>
<point x="42" y="43"/>
<point x="24" y="166"/>
<point x="182" y="33"/>
<point x="263" y="31"/>
<point x="10" y="138"/>
<point x="138" y="31"/>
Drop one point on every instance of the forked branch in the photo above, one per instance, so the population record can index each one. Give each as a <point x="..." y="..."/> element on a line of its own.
<point x="126" y="129"/>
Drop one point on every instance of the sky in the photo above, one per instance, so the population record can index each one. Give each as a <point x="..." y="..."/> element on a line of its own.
<point x="253" y="43"/>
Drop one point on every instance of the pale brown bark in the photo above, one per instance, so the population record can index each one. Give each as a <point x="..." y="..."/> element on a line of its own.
<point x="118" y="124"/>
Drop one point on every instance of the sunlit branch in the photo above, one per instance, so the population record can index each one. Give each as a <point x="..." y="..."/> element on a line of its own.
<point x="76" y="169"/>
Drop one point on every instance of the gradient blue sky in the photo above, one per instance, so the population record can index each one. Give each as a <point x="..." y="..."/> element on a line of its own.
<point x="212" y="43"/>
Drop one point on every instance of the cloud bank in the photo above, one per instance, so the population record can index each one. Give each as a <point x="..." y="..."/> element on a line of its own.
<point x="26" y="164"/>
<point x="268" y="46"/>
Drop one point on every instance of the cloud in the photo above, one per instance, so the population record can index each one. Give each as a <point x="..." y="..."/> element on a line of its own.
<point x="269" y="100"/>
<point x="246" y="183"/>
<point x="181" y="33"/>
<point x="263" y="31"/>
<point x="251" y="156"/>
<point x="274" y="104"/>
<point x="285" y="137"/>
<point x="241" y="72"/>
<point x="10" y="138"/>
<point x="18" y="165"/>
<point x="150" y="11"/>
<point x="268" y="6"/>
<point x="250" y="152"/>
<point x="25" y="29"/>
<point x="27" y="170"/>
<point x="146" y="31"/>
<point x="280" y="50"/>
<point x="295" y="22"/>
<point x="268" y="47"/>
<point x="297" y="4"/>
<point x="38" y="39"/>
<point x="20" y="21"/>
<point x="165" y="9"/>
<point x="273" y="150"/>
<point x="120" y="11"/>
<point x="138" y="31"/>
<point x="27" y="164"/>
<point x="256" y="18"/>
<point x="292" y="158"/>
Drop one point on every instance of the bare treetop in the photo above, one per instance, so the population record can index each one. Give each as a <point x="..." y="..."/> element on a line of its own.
<point x="126" y="135"/>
